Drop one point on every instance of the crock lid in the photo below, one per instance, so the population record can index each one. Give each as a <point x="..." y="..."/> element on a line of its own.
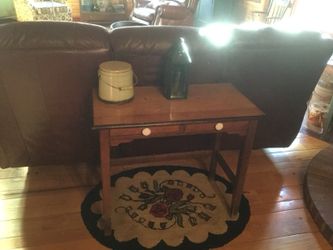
<point x="115" y="66"/>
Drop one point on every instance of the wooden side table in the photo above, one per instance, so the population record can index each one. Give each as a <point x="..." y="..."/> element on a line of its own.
<point x="210" y="108"/>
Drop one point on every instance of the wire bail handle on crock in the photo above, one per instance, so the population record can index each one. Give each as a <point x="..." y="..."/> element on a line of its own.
<point x="120" y="88"/>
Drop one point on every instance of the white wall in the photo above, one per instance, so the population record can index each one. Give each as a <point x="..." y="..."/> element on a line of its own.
<point x="6" y="8"/>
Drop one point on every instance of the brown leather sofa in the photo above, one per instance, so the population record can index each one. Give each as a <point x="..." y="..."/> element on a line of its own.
<point x="164" y="12"/>
<point x="48" y="70"/>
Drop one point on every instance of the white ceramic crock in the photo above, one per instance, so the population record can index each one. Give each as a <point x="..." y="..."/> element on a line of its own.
<point x="115" y="81"/>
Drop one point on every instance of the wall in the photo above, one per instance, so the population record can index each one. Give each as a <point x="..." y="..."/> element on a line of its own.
<point x="7" y="8"/>
<point x="75" y="6"/>
<point x="254" y="5"/>
<point x="220" y="11"/>
<point x="204" y="12"/>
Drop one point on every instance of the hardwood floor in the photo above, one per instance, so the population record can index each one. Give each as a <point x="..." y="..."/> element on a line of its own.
<point x="40" y="206"/>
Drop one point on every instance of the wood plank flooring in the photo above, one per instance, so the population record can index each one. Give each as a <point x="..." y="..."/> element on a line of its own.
<point x="40" y="206"/>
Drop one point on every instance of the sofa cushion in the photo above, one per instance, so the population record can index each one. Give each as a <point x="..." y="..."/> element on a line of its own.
<point x="47" y="71"/>
<point x="66" y="36"/>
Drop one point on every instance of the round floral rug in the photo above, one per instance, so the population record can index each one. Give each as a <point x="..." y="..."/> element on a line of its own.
<point x="165" y="207"/>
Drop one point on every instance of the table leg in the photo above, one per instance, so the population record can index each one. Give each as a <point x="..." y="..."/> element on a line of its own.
<point x="242" y="166"/>
<point x="104" y="139"/>
<point x="213" y="160"/>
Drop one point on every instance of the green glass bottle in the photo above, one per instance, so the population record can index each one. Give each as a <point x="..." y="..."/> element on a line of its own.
<point x="175" y="72"/>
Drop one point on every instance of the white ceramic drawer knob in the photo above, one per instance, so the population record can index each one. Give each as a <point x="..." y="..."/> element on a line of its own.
<point x="219" y="126"/>
<point x="146" y="131"/>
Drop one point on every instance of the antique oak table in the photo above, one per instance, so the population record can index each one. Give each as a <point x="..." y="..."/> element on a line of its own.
<point x="210" y="108"/>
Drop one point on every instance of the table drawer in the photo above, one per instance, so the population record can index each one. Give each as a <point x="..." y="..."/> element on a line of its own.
<point x="233" y="127"/>
<point x="149" y="131"/>
<point x="236" y="127"/>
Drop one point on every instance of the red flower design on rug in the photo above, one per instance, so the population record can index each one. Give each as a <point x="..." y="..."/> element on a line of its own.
<point x="159" y="210"/>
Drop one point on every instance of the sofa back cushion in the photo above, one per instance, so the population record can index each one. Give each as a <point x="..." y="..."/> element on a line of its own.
<point x="145" y="48"/>
<point x="47" y="72"/>
<point x="276" y="70"/>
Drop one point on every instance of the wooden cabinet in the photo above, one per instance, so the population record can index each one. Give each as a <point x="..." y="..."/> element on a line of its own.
<point x="103" y="12"/>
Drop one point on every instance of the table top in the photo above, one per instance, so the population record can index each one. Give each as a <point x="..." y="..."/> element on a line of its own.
<point x="205" y="102"/>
